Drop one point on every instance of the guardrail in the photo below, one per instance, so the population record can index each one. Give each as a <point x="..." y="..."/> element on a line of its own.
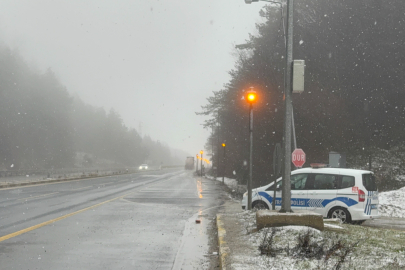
<point x="172" y="166"/>
<point x="63" y="172"/>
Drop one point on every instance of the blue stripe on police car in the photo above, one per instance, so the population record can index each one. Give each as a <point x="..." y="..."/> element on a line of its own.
<point x="314" y="203"/>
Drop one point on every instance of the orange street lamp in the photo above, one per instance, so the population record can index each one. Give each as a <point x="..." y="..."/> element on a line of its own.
<point x="251" y="97"/>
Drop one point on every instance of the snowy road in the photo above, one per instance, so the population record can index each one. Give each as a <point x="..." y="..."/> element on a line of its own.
<point x="138" y="221"/>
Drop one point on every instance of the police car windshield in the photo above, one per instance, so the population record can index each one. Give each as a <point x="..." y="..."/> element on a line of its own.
<point x="369" y="182"/>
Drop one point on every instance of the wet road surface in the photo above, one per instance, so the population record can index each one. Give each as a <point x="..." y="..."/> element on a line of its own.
<point x="386" y="223"/>
<point x="137" y="221"/>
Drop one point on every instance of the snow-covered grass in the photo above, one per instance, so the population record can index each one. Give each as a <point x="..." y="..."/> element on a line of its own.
<point x="371" y="248"/>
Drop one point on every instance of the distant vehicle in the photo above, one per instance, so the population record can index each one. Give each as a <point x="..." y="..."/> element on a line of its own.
<point x="189" y="163"/>
<point x="143" y="167"/>
<point x="348" y="194"/>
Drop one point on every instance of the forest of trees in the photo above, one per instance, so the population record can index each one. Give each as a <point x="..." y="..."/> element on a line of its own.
<point x="354" y="84"/>
<point x="42" y="126"/>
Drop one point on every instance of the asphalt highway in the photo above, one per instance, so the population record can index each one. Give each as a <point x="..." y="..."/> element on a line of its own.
<point x="139" y="221"/>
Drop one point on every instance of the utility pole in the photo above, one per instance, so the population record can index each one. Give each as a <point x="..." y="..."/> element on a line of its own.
<point x="286" y="187"/>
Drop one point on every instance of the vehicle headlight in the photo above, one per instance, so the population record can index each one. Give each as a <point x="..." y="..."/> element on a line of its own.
<point x="146" y="167"/>
<point x="245" y="194"/>
<point x="140" y="167"/>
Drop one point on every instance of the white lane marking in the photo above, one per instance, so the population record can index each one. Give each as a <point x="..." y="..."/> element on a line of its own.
<point x="174" y="198"/>
<point x="165" y="190"/>
<point x="105" y="183"/>
<point x="80" y="188"/>
<point x="35" y="197"/>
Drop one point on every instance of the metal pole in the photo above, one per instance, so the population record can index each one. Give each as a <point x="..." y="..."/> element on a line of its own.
<point x="286" y="187"/>
<point x="249" y="206"/>
<point x="217" y="170"/>
<point x="293" y="130"/>
<point x="196" y="165"/>
<point x="293" y="127"/>
<point x="223" y="173"/>
<point x="212" y="149"/>
<point x="276" y="170"/>
<point x="201" y="163"/>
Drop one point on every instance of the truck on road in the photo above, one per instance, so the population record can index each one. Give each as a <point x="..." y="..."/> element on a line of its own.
<point x="189" y="163"/>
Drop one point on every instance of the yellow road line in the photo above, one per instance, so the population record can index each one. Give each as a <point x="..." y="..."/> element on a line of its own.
<point x="11" y="235"/>
<point x="37" y="196"/>
<point x="223" y="248"/>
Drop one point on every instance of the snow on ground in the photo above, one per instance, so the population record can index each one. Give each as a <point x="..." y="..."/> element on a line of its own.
<point x="236" y="189"/>
<point x="231" y="183"/>
<point x="392" y="203"/>
<point x="372" y="248"/>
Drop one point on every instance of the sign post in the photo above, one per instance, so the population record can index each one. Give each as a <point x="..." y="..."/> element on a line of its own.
<point x="277" y="162"/>
<point x="298" y="158"/>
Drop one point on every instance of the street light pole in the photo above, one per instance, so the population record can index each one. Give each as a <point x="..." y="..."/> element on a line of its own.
<point x="212" y="151"/>
<point x="201" y="152"/>
<point x="251" y="98"/>
<point x="250" y="157"/>
<point x="223" y="172"/>
<point x="196" y="164"/>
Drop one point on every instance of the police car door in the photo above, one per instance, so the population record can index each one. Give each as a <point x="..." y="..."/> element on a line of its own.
<point x="299" y="192"/>
<point x="322" y="192"/>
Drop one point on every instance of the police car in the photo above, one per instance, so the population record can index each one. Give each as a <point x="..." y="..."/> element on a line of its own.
<point x="348" y="194"/>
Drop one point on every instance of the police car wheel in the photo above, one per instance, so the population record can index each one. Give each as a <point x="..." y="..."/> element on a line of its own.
<point x="341" y="214"/>
<point x="259" y="205"/>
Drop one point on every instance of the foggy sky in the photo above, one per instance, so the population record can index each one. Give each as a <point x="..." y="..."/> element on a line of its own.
<point x="153" y="61"/>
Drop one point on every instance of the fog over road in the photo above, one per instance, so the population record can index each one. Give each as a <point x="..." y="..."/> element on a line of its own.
<point x="138" y="221"/>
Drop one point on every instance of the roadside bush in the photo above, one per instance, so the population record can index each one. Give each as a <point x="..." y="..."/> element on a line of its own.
<point x="332" y="253"/>
<point x="267" y="245"/>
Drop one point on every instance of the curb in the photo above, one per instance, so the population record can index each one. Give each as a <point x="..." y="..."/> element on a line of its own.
<point x="223" y="248"/>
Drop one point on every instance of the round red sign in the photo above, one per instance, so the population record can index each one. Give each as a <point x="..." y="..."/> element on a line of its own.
<point x="298" y="158"/>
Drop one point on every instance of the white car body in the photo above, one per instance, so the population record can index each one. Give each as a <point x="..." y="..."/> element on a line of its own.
<point x="143" y="167"/>
<point x="324" y="190"/>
